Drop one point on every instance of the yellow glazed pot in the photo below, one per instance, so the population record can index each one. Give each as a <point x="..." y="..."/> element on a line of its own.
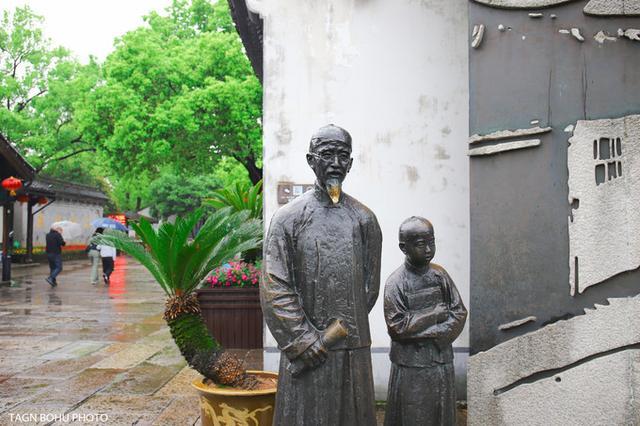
<point x="221" y="406"/>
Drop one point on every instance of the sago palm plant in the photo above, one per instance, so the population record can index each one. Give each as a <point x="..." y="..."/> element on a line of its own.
<point x="240" y="197"/>
<point x="179" y="264"/>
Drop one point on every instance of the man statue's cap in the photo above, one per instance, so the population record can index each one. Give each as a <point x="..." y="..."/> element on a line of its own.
<point x="329" y="133"/>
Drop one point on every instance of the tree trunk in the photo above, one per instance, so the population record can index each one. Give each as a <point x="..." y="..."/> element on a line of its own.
<point x="255" y="172"/>
<point x="203" y="353"/>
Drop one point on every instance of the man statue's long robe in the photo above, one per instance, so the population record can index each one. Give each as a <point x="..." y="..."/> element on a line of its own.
<point x="323" y="263"/>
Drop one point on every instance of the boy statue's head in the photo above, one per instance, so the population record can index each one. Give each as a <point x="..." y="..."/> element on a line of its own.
<point x="417" y="241"/>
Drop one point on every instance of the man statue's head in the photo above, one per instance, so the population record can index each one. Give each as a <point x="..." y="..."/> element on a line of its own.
<point x="330" y="158"/>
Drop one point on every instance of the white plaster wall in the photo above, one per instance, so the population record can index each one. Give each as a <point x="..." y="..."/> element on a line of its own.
<point x="394" y="73"/>
<point x="80" y="213"/>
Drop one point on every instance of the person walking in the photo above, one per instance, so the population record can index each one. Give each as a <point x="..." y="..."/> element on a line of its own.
<point x="55" y="242"/>
<point x="108" y="255"/>
<point x="94" y="255"/>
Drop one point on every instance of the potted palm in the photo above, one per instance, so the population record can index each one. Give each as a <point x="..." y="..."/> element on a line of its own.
<point x="179" y="264"/>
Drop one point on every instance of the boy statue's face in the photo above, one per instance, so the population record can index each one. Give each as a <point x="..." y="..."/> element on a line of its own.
<point x="419" y="246"/>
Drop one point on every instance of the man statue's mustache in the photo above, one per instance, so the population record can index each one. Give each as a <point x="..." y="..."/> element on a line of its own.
<point x="334" y="188"/>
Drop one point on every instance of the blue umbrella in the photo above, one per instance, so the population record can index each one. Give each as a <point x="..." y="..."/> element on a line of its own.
<point x="108" y="223"/>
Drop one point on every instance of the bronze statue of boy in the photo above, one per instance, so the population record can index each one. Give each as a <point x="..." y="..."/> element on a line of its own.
<point x="424" y="315"/>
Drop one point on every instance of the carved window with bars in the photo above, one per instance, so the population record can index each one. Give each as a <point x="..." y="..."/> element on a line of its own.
<point x="607" y="153"/>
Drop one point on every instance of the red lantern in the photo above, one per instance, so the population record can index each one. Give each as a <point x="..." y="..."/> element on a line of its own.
<point x="42" y="201"/>
<point x="12" y="184"/>
<point x="23" y="198"/>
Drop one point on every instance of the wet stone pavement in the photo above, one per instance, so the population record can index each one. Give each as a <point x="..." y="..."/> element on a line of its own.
<point x="97" y="354"/>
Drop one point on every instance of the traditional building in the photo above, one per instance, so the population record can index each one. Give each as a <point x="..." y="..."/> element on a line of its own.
<point x="11" y="164"/>
<point x="544" y="194"/>
<point x="40" y="202"/>
<point x="68" y="201"/>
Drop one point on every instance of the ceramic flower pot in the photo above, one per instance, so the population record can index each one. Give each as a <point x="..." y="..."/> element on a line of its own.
<point x="228" y="406"/>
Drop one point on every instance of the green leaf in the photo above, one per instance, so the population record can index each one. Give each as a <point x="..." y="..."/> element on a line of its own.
<point x="240" y="197"/>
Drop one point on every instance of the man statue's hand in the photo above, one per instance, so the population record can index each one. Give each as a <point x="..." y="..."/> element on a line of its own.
<point x="315" y="354"/>
<point x="442" y="312"/>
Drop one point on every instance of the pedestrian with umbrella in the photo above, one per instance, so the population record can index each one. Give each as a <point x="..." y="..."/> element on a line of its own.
<point x="69" y="230"/>
<point x="107" y="253"/>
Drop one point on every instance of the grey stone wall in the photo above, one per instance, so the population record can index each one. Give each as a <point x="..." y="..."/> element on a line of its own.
<point x="554" y="98"/>
<point x="532" y="70"/>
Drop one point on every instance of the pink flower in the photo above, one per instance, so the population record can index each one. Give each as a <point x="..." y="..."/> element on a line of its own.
<point x="244" y="277"/>
<point x="228" y="284"/>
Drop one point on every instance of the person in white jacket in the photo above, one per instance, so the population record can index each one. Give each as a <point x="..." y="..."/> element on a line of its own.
<point x="108" y="255"/>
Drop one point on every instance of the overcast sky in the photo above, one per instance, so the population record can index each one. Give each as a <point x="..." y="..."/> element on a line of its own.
<point x="88" y="27"/>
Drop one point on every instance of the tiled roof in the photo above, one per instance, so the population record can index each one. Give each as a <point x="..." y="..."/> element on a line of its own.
<point x="69" y="191"/>
<point x="12" y="163"/>
<point x="249" y="26"/>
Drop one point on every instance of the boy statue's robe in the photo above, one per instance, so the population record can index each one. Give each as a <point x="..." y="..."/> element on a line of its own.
<point x="323" y="263"/>
<point x="421" y="382"/>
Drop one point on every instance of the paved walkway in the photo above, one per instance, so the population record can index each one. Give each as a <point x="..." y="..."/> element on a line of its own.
<point x="101" y="352"/>
<point x="88" y="350"/>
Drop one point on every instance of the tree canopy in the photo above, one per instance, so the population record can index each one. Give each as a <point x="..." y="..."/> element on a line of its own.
<point x="179" y="92"/>
<point x="41" y="88"/>
<point x="175" y="102"/>
<point x="175" y="195"/>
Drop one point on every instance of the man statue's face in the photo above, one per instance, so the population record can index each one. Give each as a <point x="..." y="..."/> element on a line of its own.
<point x="330" y="161"/>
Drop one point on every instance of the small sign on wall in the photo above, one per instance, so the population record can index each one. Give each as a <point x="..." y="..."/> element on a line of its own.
<point x="287" y="191"/>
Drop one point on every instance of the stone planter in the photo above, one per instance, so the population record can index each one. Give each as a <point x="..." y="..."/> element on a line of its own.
<point x="233" y="316"/>
<point x="227" y="406"/>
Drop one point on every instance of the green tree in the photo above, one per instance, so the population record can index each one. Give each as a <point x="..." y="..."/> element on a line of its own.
<point x="41" y="88"/>
<point x="171" y="194"/>
<point x="228" y="172"/>
<point x="127" y="191"/>
<point x="178" y="92"/>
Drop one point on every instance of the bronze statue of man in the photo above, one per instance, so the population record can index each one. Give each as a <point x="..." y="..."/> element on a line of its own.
<point x="424" y="315"/>
<point x="322" y="279"/>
